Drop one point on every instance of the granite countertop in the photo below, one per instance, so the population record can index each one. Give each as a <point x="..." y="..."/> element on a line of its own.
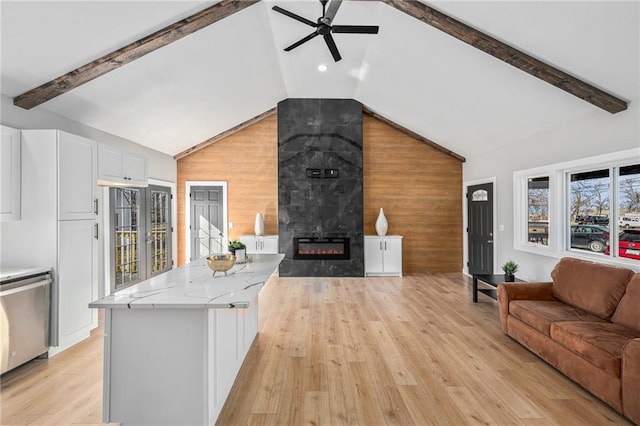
<point x="194" y="286"/>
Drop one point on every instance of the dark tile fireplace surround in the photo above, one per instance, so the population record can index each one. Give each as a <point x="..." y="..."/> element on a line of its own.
<point x="320" y="199"/>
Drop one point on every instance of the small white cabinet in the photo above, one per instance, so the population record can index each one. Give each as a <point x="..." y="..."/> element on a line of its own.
<point x="10" y="174"/>
<point x="383" y="255"/>
<point x="260" y="244"/>
<point x="118" y="168"/>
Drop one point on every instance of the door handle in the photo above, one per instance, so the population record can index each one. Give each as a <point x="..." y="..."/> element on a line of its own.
<point x="95" y="206"/>
<point x="490" y="241"/>
<point x="95" y="230"/>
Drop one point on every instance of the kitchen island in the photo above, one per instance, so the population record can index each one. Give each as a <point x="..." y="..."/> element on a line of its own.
<point x="174" y="344"/>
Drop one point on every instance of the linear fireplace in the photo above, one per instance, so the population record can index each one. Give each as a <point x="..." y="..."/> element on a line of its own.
<point x="321" y="248"/>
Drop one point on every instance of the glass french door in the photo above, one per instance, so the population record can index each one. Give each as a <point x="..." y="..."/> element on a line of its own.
<point x="141" y="234"/>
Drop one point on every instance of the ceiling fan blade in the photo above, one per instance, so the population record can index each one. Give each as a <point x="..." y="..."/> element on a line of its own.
<point x="332" y="47"/>
<point x="334" y="5"/>
<point x="294" y="16"/>
<point x="355" y="29"/>
<point x="301" y="41"/>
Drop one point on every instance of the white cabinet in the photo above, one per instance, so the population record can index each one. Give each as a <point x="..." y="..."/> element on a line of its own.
<point x="260" y="244"/>
<point x="77" y="269"/>
<point x="383" y="255"/>
<point x="59" y="227"/>
<point x="10" y="174"/>
<point x="77" y="173"/>
<point x="118" y="168"/>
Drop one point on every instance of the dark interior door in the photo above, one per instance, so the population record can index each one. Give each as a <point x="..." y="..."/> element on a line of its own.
<point x="206" y="221"/>
<point x="480" y="230"/>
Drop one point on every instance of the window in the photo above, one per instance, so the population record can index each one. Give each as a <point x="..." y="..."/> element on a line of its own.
<point x="538" y="210"/>
<point x="480" y="195"/>
<point x="589" y="207"/>
<point x="141" y="235"/>
<point x="628" y="185"/>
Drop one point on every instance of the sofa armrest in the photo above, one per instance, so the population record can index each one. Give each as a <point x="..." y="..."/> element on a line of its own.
<point x="520" y="291"/>
<point x="631" y="380"/>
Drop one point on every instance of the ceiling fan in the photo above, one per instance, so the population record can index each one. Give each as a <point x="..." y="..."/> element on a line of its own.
<point x="324" y="28"/>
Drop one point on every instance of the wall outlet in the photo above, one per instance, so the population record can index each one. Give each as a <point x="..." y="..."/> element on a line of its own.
<point x="501" y="228"/>
<point x="230" y="225"/>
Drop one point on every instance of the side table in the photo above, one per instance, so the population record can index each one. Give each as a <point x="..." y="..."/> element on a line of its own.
<point x="491" y="279"/>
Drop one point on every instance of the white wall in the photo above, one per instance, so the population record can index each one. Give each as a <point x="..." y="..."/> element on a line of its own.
<point x="598" y="133"/>
<point x="161" y="166"/>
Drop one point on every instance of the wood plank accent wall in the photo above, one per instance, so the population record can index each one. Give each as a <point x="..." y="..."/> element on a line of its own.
<point x="419" y="187"/>
<point x="248" y="161"/>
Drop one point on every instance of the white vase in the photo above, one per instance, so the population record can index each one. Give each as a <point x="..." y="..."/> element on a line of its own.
<point x="381" y="224"/>
<point x="259" y="226"/>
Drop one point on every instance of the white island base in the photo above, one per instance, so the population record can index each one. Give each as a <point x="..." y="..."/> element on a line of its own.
<point x="170" y="356"/>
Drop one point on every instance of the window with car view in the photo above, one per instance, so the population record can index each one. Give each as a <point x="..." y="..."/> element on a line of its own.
<point x="590" y="207"/>
<point x="589" y="210"/>
<point x="628" y="226"/>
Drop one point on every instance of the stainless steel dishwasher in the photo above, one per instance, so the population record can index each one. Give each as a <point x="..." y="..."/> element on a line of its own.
<point x="24" y="316"/>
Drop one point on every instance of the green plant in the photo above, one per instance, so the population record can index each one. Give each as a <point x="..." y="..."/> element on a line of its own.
<point x="510" y="267"/>
<point x="236" y="245"/>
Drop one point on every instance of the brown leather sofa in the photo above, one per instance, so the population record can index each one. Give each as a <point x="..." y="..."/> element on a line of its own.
<point x="586" y="323"/>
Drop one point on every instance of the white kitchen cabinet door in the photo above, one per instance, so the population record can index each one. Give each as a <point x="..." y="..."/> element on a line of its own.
<point x="135" y="167"/>
<point x="10" y="174"/>
<point x="77" y="278"/>
<point x="110" y="164"/>
<point x="270" y="244"/>
<point x="373" y="255"/>
<point x="392" y="255"/>
<point x="77" y="177"/>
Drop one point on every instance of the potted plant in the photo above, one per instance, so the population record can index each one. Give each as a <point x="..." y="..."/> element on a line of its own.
<point x="235" y="245"/>
<point x="510" y="268"/>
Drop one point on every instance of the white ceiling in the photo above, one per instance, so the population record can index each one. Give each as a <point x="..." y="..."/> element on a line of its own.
<point x="233" y="70"/>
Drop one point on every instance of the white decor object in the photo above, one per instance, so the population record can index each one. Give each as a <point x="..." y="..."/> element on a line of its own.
<point x="381" y="224"/>
<point x="259" y="226"/>
<point x="240" y="255"/>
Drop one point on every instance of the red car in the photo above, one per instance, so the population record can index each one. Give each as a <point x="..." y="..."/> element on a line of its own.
<point x="629" y="244"/>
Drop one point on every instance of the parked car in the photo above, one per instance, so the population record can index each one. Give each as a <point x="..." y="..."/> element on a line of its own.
<point x="591" y="237"/>
<point x="628" y="244"/>
<point x="629" y="220"/>
<point x="593" y="219"/>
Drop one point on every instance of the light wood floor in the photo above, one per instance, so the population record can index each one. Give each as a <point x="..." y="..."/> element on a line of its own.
<point x="375" y="351"/>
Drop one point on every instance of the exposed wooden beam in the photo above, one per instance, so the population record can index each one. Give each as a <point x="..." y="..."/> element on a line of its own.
<point x="129" y="53"/>
<point x="224" y="134"/>
<point x="510" y="55"/>
<point x="414" y="135"/>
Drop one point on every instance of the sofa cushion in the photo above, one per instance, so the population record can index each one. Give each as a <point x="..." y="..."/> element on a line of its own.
<point x="539" y="314"/>
<point x="628" y="311"/>
<point x="594" y="287"/>
<point x="600" y="343"/>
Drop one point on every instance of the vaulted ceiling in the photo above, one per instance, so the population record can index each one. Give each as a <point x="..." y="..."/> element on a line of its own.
<point x="412" y="73"/>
